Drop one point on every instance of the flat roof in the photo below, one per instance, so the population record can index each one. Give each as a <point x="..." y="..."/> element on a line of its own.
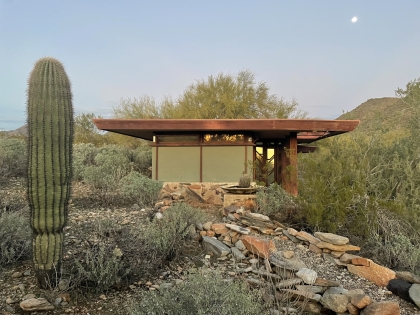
<point x="308" y="130"/>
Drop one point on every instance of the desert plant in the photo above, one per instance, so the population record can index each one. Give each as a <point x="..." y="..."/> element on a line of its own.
<point x="140" y="189"/>
<point x="205" y="293"/>
<point x="83" y="156"/>
<point x="274" y="200"/>
<point x="15" y="237"/>
<point x="100" y="267"/>
<point x="50" y="136"/>
<point x="12" y="158"/>
<point x="244" y="181"/>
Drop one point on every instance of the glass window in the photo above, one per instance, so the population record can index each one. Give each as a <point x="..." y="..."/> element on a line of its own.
<point x="218" y="137"/>
<point x="178" y="139"/>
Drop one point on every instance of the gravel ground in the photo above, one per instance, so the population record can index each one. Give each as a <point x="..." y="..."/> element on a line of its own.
<point x="18" y="281"/>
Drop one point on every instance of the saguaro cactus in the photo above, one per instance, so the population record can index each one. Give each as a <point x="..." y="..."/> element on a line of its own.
<point x="50" y="137"/>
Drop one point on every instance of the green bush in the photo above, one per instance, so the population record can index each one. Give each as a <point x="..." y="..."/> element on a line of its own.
<point x="100" y="267"/>
<point x="140" y="189"/>
<point x="148" y="248"/>
<point x="13" y="158"/>
<point x="15" y="237"/>
<point x="201" y="294"/>
<point x="83" y="155"/>
<point x="275" y="201"/>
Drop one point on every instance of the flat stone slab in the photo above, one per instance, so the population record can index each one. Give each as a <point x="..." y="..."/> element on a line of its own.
<point x="339" y="248"/>
<point x="332" y="238"/>
<point x="375" y="273"/>
<point x="294" y="263"/>
<point x="32" y="305"/>
<point x="238" y="228"/>
<point x="215" y="246"/>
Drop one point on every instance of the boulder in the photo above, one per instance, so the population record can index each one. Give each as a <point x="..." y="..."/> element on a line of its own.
<point x="361" y="300"/>
<point x="304" y="236"/>
<point x="332" y="238"/>
<point x="375" y="273"/>
<point x="335" y="302"/>
<point x="382" y="308"/>
<point x="308" y="276"/>
<point x="414" y="293"/>
<point x="400" y="288"/>
<point x="215" y="246"/>
<point x="347" y="258"/>
<point x="33" y="305"/>
<point x="338" y="248"/>
<point x="408" y="276"/>
<point x="238" y="228"/>
<point x="262" y="248"/>
<point x="219" y="228"/>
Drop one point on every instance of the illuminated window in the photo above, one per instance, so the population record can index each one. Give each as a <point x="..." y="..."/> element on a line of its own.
<point x="217" y="137"/>
<point x="178" y="139"/>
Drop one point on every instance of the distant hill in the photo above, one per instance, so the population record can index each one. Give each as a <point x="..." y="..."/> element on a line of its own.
<point x="20" y="132"/>
<point x="387" y="113"/>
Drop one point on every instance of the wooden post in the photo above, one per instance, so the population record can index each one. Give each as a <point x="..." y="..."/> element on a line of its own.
<point x="288" y="157"/>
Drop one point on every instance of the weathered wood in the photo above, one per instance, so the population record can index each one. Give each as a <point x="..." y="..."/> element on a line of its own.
<point x="288" y="159"/>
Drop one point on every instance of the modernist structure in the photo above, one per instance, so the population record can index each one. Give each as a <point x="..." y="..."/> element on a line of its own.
<point x="221" y="150"/>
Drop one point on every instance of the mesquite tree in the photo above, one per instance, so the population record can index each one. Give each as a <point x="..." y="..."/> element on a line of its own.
<point x="50" y="137"/>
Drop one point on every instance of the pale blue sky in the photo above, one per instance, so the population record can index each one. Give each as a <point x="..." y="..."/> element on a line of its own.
<point x="307" y="50"/>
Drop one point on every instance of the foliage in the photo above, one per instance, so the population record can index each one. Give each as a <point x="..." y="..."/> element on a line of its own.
<point x="50" y="141"/>
<point x="13" y="158"/>
<point x="273" y="200"/>
<point x="201" y="294"/>
<point x="221" y="96"/>
<point x="85" y="130"/>
<point x="148" y="248"/>
<point x="140" y="189"/>
<point x="100" y="267"/>
<point x="15" y="237"/>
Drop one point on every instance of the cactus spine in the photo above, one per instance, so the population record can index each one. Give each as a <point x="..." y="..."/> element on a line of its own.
<point x="50" y="137"/>
<point x="244" y="181"/>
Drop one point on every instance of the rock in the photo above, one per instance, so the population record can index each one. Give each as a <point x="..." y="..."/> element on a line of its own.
<point x="339" y="248"/>
<point x="32" y="305"/>
<point x="304" y="236"/>
<point x="215" y="246"/>
<point x="315" y="249"/>
<point x="336" y="254"/>
<point x="219" y="228"/>
<point x="16" y="274"/>
<point x="292" y="231"/>
<point x="326" y="283"/>
<point x="336" y="290"/>
<point x="230" y="209"/>
<point x="238" y="228"/>
<point x="400" y="288"/>
<point x="231" y="217"/>
<point x="294" y="263"/>
<point x="353" y="310"/>
<point x="408" y="276"/>
<point x="414" y="293"/>
<point x="301" y="295"/>
<point x="361" y="300"/>
<point x="312" y="288"/>
<point x="332" y="238"/>
<point x="240" y="245"/>
<point x="290" y="236"/>
<point x="257" y="216"/>
<point x="288" y="254"/>
<point x="158" y="215"/>
<point x="311" y="307"/>
<point x="360" y="261"/>
<point x="257" y="246"/>
<point x="210" y="233"/>
<point x="207" y="226"/>
<point x="382" y="308"/>
<point x="64" y="284"/>
<point x="307" y="275"/>
<point x="354" y="292"/>
<point x="328" y="257"/>
<point x="335" y="302"/>
<point x="237" y="254"/>
<point x="199" y="226"/>
<point x="375" y="273"/>
<point x="347" y="258"/>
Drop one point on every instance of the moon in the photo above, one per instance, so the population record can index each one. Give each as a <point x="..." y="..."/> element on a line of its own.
<point x="354" y="19"/>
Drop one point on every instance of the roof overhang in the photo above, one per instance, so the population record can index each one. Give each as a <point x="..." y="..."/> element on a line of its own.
<point x="308" y="130"/>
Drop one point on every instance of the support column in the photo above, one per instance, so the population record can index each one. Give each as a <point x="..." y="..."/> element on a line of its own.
<point x="288" y="159"/>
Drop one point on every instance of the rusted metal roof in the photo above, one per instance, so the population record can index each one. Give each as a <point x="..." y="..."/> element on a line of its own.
<point x="308" y="130"/>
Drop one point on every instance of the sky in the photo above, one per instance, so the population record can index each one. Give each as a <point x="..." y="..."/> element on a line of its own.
<point x="305" y="50"/>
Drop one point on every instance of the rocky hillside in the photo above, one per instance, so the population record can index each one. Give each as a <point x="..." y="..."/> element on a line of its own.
<point x="379" y="113"/>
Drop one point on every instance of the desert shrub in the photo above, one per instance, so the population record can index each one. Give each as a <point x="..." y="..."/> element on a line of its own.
<point x="83" y="155"/>
<point x="142" y="160"/>
<point x="140" y="189"/>
<point x="15" y="237"/>
<point x="149" y="247"/>
<point x="394" y="243"/>
<point x="201" y="294"/>
<point x="13" y="158"/>
<point x="274" y="200"/>
<point x="100" y="267"/>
